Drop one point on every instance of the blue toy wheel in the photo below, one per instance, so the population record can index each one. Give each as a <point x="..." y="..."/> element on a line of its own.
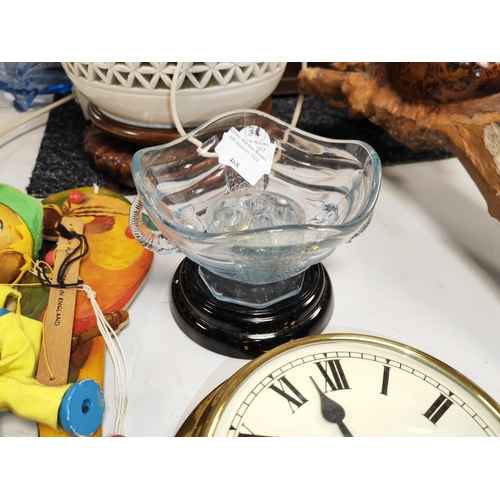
<point x="82" y="408"/>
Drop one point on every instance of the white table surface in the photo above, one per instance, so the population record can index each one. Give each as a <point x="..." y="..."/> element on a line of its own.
<point x="426" y="273"/>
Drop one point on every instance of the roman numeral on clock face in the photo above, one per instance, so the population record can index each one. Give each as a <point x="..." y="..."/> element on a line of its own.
<point x="286" y="389"/>
<point x="333" y="374"/>
<point x="385" y="380"/>
<point x="246" y="432"/>
<point x="438" y="408"/>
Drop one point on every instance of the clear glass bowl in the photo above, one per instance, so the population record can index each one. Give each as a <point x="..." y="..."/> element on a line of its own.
<point x="319" y="193"/>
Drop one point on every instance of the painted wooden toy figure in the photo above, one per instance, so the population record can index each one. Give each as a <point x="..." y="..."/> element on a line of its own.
<point x="75" y="408"/>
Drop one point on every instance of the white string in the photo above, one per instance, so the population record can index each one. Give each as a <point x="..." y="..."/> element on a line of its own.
<point x="121" y="374"/>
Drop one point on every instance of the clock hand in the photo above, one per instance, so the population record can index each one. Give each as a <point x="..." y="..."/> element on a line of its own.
<point x="332" y="411"/>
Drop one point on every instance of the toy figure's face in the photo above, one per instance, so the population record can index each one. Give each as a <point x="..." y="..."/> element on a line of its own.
<point x="9" y="221"/>
<point x="15" y="243"/>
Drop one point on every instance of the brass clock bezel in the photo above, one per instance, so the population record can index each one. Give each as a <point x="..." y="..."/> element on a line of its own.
<point x="203" y="420"/>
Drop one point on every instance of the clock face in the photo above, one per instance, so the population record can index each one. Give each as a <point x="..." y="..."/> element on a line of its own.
<point x="349" y="385"/>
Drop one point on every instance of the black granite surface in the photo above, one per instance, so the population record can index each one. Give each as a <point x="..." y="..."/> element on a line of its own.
<point x="63" y="164"/>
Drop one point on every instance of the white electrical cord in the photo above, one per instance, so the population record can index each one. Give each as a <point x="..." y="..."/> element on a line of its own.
<point x="35" y="114"/>
<point x="173" y="90"/>
<point x="295" y="119"/>
<point x="196" y="142"/>
<point x="300" y="101"/>
<point x="173" y="104"/>
<point x="175" y="116"/>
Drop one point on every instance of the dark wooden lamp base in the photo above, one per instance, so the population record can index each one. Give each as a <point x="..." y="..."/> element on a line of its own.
<point x="111" y="144"/>
<point x="243" y="332"/>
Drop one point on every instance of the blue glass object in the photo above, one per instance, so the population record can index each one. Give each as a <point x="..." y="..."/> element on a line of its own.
<point x="26" y="80"/>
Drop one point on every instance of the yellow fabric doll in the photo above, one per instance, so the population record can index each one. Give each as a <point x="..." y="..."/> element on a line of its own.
<point x="76" y="408"/>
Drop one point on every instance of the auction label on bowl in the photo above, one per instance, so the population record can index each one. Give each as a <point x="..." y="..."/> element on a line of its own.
<point x="249" y="151"/>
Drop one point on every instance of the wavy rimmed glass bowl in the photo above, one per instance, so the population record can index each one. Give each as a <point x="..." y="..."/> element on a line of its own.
<point x="319" y="194"/>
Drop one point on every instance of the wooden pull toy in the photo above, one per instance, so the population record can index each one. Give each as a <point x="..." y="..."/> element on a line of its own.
<point x="76" y="408"/>
<point x="114" y="268"/>
<point x="42" y="378"/>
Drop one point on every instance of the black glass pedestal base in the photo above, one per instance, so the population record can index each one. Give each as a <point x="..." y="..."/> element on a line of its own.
<point x="243" y="332"/>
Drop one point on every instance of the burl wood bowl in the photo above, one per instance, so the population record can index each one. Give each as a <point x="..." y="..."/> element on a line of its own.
<point x="425" y="105"/>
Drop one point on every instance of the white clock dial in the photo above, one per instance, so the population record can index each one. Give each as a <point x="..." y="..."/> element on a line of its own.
<point x="343" y="385"/>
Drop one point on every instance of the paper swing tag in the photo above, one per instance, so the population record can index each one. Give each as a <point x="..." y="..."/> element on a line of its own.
<point x="249" y="151"/>
<point x="55" y="351"/>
